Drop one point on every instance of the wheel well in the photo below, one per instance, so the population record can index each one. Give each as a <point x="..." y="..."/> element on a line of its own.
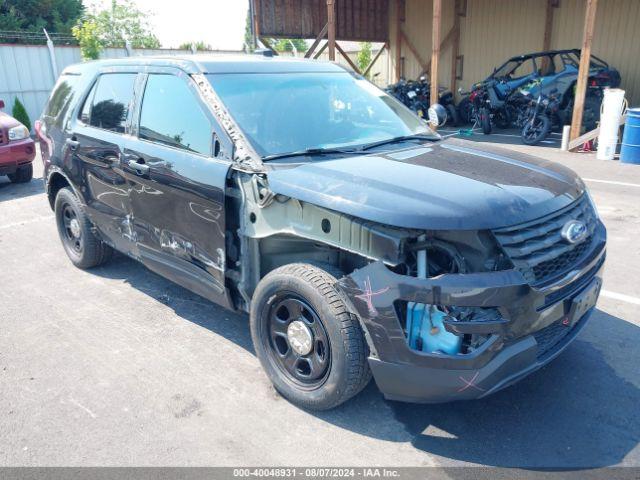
<point x="55" y="183"/>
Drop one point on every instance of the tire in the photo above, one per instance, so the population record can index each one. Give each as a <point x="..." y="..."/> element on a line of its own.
<point x="23" y="174"/>
<point x="485" y="121"/>
<point x="503" y="119"/>
<point x="465" y="112"/>
<point x="335" y="368"/>
<point x="534" y="134"/>
<point x="452" y="115"/>
<point x="83" y="248"/>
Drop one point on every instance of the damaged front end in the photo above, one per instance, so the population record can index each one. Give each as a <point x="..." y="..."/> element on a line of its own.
<point x="464" y="315"/>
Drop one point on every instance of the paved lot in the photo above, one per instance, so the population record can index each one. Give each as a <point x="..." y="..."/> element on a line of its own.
<point x="119" y="367"/>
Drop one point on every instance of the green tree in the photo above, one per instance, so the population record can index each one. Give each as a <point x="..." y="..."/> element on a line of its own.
<point x="114" y="27"/>
<point x="20" y="114"/>
<point x="284" y="44"/>
<point x="200" y="45"/>
<point x="248" y="34"/>
<point x="57" y="16"/>
<point x="87" y="34"/>
<point x="364" y="56"/>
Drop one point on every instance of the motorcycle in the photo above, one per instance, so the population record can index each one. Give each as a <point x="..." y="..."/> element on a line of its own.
<point x="540" y="116"/>
<point x="488" y="105"/>
<point x="417" y="96"/>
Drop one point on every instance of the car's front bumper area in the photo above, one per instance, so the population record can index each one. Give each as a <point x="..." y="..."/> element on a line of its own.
<point x="15" y="154"/>
<point x="534" y="326"/>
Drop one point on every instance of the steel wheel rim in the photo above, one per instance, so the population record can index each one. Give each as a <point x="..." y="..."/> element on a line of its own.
<point x="71" y="227"/>
<point x="307" y="371"/>
<point x="533" y="131"/>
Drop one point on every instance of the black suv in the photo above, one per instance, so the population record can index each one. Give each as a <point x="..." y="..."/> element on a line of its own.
<point x="359" y="241"/>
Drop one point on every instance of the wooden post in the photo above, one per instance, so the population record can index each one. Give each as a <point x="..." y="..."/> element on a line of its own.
<point x="412" y="48"/>
<point x="455" y="47"/>
<point x="548" y="30"/>
<point x="256" y="22"/>
<point x="321" y="51"/>
<point x="548" y="25"/>
<point x="347" y="58"/>
<point x="435" y="49"/>
<point x="331" y="22"/>
<point x="317" y="41"/>
<point x="374" y="60"/>
<point x="398" y="45"/>
<point x="583" y="71"/>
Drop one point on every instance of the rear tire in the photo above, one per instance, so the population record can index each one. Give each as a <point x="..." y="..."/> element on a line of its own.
<point x="23" y="174"/>
<point x="333" y="365"/>
<point x="83" y="247"/>
<point x="452" y="115"/>
<point x="465" y="111"/>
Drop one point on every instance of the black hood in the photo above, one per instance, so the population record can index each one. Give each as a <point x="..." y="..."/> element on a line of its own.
<point x="451" y="184"/>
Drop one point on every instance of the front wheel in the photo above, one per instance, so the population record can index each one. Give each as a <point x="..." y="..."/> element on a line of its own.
<point x="23" y="174"/>
<point x="537" y="130"/>
<point x="308" y="342"/>
<point x="83" y="248"/>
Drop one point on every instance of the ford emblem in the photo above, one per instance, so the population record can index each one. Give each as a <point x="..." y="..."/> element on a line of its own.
<point x="574" y="231"/>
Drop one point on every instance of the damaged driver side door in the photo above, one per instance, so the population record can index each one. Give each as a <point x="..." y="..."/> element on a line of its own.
<point x="177" y="168"/>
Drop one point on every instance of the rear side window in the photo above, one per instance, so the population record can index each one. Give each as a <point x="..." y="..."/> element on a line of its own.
<point x="172" y="115"/>
<point x="107" y="105"/>
<point x="62" y="94"/>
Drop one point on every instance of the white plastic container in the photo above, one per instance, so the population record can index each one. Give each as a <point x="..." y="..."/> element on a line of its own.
<point x="613" y="106"/>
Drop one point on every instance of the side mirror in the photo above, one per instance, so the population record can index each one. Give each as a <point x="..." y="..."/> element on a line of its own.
<point x="1" y="104"/>
<point x="437" y="115"/>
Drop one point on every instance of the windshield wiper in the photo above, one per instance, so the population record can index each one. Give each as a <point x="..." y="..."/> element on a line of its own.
<point x="309" y="151"/>
<point x="403" y="138"/>
<point x="360" y="149"/>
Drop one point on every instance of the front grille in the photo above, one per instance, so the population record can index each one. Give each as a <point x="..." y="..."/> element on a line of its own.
<point x="537" y="248"/>
<point x="550" y="336"/>
<point x="572" y="287"/>
<point x="560" y="264"/>
<point x="1" y="136"/>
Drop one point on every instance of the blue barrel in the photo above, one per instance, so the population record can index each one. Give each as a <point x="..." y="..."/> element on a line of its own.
<point x="630" y="152"/>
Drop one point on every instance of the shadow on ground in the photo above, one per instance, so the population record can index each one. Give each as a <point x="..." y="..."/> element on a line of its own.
<point x="576" y="412"/>
<point x="12" y="191"/>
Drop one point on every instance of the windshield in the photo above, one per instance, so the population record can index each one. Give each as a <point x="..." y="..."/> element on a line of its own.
<point x="507" y="69"/>
<point x="282" y="113"/>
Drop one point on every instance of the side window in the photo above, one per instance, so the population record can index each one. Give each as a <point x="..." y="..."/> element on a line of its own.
<point x="85" y="113"/>
<point x="524" y="69"/>
<point x="108" y="103"/>
<point x="61" y="96"/>
<point x="172" y="115"/>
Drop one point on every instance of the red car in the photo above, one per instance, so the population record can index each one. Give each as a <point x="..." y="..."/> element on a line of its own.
<point x="17" y="149"/>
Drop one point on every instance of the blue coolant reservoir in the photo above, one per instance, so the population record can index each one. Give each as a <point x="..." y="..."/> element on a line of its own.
<point x="426" y="331"/>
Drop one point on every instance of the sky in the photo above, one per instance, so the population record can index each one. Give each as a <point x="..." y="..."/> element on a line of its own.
<point x="220" y="23"/>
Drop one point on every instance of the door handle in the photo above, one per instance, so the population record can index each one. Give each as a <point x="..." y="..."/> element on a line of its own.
<point x="72" y="143"/>
<point x="139" y="166"/>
